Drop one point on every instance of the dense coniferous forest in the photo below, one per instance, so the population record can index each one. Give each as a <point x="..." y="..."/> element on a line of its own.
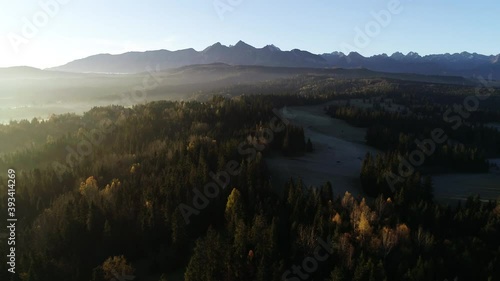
<point x="401" y="125"/>
<point x="167" y="187"/>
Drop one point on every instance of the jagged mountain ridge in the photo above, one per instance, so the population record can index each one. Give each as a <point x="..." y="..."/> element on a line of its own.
<point x="461" y="64"/>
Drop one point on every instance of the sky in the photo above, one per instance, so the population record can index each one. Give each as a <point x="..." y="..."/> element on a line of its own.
<point x="49" y="33"/>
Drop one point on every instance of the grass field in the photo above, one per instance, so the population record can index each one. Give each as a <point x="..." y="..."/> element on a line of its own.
<point x="453" y="187"/>
<point x="337" y="156"/>
<point x="338" y="152"/>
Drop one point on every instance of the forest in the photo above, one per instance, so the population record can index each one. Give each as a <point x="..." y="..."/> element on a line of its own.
<point x="121" y="193"/>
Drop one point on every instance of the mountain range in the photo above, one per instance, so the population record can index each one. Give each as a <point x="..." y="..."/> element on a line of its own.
<point x="459" y="64"/>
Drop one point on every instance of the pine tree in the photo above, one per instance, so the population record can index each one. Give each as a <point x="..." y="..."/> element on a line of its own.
<point x="234" y="209"/>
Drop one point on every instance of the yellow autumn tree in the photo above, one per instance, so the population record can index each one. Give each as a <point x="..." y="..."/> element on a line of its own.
<point x="117" y="268"/>
<point x="348" y="200"/>
<point x="233" y="201"/>
<point x="135" y="168"/>
<point x="89" y="188"/>
<point x="403" y="232"/>
<point x="234" y="208"/>
<point x="364" y="226"/>
<point x="111" y="189"/>
<point x="337" y="219"/>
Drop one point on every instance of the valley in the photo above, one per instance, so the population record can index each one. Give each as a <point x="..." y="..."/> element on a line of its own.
<point x="315" y="140"/>
<point x="146" y="188"/>
<point x="339" y="150"/>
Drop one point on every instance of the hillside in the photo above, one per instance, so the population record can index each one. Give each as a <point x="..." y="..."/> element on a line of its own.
<point x="459" y="64"/>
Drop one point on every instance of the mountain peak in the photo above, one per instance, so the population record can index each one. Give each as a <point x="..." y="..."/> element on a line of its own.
<point x="397" y="55"/>
<point x="464" y="63"/>
<point x="413" y="55"/>
<point x="215" y="46"/>
<point x="336" y="53"/>
<point x="408" y="56"/>
<point x="355" y="55"/>
<point x="243" y="45"/>
<point x="272" y="48"/>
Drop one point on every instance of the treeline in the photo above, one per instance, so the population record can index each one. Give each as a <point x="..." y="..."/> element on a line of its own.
<point x="444" y="157"/>
<point x="381" y="175"/>
<point x="313" y="234"/>
<point x="81" y="208"/>
<point x="464" y="148"/>
<point x="103" y="197"/>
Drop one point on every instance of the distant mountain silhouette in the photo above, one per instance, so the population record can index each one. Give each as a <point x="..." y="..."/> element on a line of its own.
<point x="31" y="72"/>
<point x="458" y="64"/>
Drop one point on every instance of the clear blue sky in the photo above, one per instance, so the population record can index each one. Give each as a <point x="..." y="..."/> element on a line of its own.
<point x="85" y="27"/>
